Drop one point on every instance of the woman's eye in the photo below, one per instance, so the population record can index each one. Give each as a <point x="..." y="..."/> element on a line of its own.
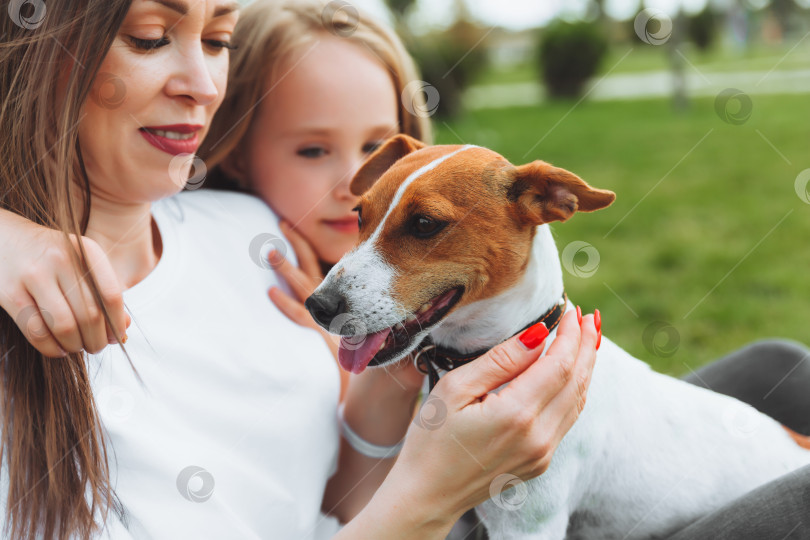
<point x="359" y="217"/>
<point x="218" y="44"/>
<point x="312" y="152"/>
<point x="370" y="147"/>
<point x="149" y="44"/>
<point x="425" y="227"/>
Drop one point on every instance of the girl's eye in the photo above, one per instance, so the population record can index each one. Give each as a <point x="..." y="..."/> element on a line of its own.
<point x="312" y="152"/>
<point x="370" y="147"/>
<point x="359" y="217"/>
<point x="218" y="44"/>
<point x="149" y="44"/>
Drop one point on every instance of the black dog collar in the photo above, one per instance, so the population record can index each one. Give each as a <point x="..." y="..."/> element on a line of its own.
<point x="429" y="358"/>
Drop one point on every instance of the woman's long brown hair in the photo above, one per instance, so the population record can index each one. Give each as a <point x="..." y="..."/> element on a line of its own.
<point x="52" y="441"/>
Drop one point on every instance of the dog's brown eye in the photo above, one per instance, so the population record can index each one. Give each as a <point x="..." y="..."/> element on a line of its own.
<point x="425" y="227"/>
<point x="359" y="217"/>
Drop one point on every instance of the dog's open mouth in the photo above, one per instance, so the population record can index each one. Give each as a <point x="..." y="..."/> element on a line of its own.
<point x="358" y="352"/>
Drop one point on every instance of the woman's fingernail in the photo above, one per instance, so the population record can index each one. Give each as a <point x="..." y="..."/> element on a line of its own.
<point x="112" y="341"/>
<point x="534" y="336"/>
<point x="599" y="339"/>
<point x="579" y="315"/>
<point x="597" y="320"/>
<point x="63" y="352"/>
<point x="124" y="339"/>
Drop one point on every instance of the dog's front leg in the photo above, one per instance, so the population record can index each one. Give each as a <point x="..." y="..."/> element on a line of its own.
<point x="540" y="508"/>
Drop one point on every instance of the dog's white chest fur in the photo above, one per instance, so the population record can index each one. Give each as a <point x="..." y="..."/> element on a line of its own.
<point x="649" y="455"/>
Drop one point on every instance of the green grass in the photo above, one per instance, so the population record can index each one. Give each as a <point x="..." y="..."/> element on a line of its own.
<point x="638" y="57"/>
<point x="759" y="57"/>
<point x="693" y="238"/>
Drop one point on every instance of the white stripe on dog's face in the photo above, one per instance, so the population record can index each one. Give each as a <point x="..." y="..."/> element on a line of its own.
<point x="408" y="181"/>
<point x="363" y="276"/>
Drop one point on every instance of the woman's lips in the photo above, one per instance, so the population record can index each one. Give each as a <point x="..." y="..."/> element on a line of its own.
<point x="175" y="139"/>
<point x="346" y="225"/>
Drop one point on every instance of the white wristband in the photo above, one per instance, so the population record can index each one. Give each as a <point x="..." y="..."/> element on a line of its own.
<point x="363" y="446"/>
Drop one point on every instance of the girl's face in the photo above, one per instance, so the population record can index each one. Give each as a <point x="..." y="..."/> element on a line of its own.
<point x="329" y="105"/>
<point x="154" y="97"/>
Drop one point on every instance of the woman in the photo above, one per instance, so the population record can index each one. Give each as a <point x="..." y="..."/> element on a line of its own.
<point x="222" y="423"/>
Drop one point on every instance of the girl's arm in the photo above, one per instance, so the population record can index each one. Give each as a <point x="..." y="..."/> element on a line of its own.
<point x="447" y="465"/>
<point x="49" y="302"/>
<point x="379" y="407"/>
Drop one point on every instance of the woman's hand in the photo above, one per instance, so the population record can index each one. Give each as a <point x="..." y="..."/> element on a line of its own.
<point x="464" y="436"/>
<point x="40" y="290"/>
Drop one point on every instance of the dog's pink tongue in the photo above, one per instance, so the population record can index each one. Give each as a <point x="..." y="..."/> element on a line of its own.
<point x="356" y="352"/>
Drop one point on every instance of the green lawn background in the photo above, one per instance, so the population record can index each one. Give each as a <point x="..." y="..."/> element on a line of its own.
<point x="709" y="239"/>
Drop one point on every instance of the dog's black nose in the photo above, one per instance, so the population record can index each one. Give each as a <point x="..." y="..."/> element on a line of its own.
<point x="325" y="306"/>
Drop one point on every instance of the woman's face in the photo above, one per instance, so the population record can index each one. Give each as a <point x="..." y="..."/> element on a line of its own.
<point x="152" y="102"/>
<point x="330" y="105"/>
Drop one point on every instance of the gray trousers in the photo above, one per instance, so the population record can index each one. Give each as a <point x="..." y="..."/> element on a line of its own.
<point x="774" y="377"/>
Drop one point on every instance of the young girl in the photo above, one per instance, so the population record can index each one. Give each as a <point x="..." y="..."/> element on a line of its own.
<point x="218" y="420"/>
<point x="312" y="99"/>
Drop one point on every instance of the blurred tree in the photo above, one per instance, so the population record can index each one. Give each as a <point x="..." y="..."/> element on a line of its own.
<point x="784" y="12"/>
<point x="680" y="100"/>
<point x="570" y="54"/>
<point x="449" y="60"/>
<point x="702" y="28"/>
<point x="400" y="8"/>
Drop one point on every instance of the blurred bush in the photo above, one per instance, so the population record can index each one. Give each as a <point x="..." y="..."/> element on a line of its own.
<point x="570" y="54"/>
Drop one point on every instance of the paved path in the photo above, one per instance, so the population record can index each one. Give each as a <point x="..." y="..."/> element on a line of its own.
<point x="651" y="84"/>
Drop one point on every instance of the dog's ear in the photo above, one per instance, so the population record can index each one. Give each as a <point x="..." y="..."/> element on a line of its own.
<point x="544" y="193"/>
<point x="381" y="160"/>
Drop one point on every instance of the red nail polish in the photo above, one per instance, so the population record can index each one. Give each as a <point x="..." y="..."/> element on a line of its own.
<point x="534" y="336"/>
<point x="597" y="320"/>
<point x="599" y="340"/>
<point x="579" y="315"/>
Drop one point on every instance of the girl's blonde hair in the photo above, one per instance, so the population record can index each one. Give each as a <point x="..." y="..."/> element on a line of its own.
<point x="267" y="33"/>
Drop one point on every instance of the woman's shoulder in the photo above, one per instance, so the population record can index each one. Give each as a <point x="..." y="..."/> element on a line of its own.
<point x="217" y="209"/>
<point x="222" y="221"/>
<point x="219" y="202"/>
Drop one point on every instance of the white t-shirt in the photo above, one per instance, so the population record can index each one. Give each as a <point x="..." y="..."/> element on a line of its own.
<point x="233" y="432"/>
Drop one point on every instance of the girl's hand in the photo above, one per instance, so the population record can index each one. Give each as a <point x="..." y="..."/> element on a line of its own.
<point x="49" y="301"/>
<point x="303" y="281"/>
<point x="465" y="437"/>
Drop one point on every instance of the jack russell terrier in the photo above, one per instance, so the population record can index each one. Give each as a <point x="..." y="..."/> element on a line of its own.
<point x="455" y="243"/>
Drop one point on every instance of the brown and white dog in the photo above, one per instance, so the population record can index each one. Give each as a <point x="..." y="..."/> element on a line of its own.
<point x="454" y="243"/>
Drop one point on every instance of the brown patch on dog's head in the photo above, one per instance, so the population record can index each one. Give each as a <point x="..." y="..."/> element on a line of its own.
<point x="469" y="222"/>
